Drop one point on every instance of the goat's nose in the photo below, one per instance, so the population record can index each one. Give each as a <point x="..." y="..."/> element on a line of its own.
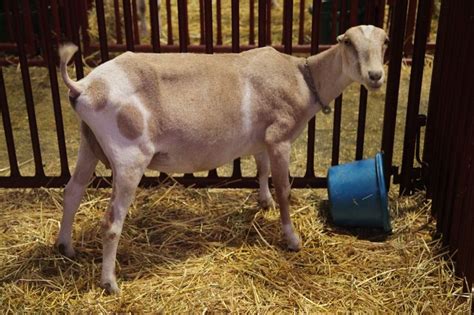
<point x="375" y="75"/>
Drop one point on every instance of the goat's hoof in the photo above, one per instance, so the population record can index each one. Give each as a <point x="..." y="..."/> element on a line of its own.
<point x="266" y="203"/>
<point x="111" y="287"/>
<point x="294" y="243"/>
<point x="65" y="250"/>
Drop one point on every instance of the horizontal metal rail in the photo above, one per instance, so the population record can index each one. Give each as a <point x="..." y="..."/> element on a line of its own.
<point x="187" y="181"/>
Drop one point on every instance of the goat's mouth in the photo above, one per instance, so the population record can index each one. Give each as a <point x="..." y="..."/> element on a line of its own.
<point x="373" y="85"/>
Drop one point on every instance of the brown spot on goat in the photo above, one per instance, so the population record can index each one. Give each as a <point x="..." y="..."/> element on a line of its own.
<point x="147" y="90"/>
<point x="98" y="93"/>
<point x="130" y="122"/>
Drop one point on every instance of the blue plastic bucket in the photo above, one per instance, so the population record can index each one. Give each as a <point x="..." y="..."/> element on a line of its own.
<point x="358" y="195"/>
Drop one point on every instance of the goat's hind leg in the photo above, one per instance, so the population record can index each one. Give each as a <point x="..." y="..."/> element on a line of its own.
<point x="126" y="178"/>
<point x="73" y="193"/>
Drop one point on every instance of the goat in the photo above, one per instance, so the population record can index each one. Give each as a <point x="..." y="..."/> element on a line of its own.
<point x="182" y="113"/>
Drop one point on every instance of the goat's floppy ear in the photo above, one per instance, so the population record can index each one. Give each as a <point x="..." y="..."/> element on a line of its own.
<point x="341" y="38"/>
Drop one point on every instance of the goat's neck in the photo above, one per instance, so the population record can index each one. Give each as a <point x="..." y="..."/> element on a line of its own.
<point x="328" y="77"/>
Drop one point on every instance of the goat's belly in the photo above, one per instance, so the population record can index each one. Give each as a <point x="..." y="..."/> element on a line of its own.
<point x="194" y="158"/>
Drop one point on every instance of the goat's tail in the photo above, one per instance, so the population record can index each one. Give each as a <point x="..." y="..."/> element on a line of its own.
<point x="66" y="52"/>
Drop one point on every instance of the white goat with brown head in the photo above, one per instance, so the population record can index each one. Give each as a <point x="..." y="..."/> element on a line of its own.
<point x="186" y="112"/>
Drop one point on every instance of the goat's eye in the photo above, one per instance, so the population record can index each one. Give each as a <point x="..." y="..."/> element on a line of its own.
<point x="347" y="42"/>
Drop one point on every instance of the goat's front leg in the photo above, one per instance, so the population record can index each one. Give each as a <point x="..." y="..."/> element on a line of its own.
<point x="125" y="181"/>
<point x="279" y="155"/>
<point x="73" y="193"/>
<point x="263" y="168"/>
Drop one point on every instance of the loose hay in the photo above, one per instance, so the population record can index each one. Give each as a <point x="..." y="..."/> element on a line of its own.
<point x="187" y="250"/>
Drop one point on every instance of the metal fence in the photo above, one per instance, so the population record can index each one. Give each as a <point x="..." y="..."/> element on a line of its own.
<point x="37" y="27"/>
<point x="449" y="143"/>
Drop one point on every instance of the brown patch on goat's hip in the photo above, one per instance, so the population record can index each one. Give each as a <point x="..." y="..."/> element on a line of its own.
<point x="130" y="122"/>
<point x="98" y="93"/>
<point x="147" y="90"/>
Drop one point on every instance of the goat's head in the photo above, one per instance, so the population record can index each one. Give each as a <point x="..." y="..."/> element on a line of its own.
<point x="363" y="49"/>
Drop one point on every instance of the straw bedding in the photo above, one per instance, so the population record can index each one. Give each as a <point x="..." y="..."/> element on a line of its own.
<point x="197" y="250"/>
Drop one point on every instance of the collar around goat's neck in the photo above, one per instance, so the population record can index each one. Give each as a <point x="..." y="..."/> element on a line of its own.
<point x="309" y="79"/>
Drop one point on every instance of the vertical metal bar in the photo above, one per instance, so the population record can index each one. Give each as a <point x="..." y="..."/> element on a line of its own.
<point x="202" y="39"/>
<point x="361" y="123"/>
<point x="439" y="113"/>
<point x="84" y="26"/>
<point x="185" y="21"/>
<point x="336" y="140"/>
<point x="28" y="26"/>
<point x="457" y="148"/>
<point x="30" y="106"/>
<point x="461" y="147"/>
<point x="208" y="26"/>
<point x="334" y="21"/>
<point x="209" y="48"/>
<point x="360" y="138"/>
<point x="7" y="127"/>
<point x="236" y="170"/>
<point x="343" y="17"/>
<point x="169" y="22"/>
<point x="235" y="26"/>
<point x="315" y="27"/>
<point x="288" y="26"/>
<point x="53" y="79"/>
<point x="67" y="20"/>
<point x="301" y="24"/>
<point x="118" y="22"/>
<point x="127" y="17"/>
<point x="155" y="26"/>
<point x="434" y="104"/>
<point x="38" y="42"/>
<point x="370" y="11"/>
<point x="71" y="8"/>
<point x="312" y="123"/>
<point x="414" y="95"/>
<point x="397" y="29"/>
<point x="9" y="22"/>
<point x="380" y="13"/>
<point x="56" y="22"/>
<point x="219" y="22"/>
<point x="252" y="22"/>
<point x="136" y="31"/>
<point x="449" y="116"/>
<point x="269" y="22"/>
<point x="262" y="23"/>
<point x="104" y="47"/>
<point x="183" y="43"/>
<point x="354" y="10"/>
